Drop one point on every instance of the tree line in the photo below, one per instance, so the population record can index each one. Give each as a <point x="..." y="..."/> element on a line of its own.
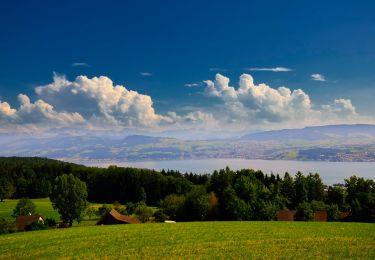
<point x="223" y="195"/>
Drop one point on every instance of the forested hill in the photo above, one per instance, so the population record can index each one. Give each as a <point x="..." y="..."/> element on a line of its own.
<point x="34" y="161"/>
<point x="33" y="177"/>
<point x="224" y="195"/>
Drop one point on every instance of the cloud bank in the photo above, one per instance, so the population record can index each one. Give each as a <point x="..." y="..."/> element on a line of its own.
<point x="98" y="103"/>
<point x="263" y="105"/>
<point x="92" y="102"/>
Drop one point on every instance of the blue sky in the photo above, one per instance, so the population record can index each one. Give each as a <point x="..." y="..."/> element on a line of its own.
<point x="157" y="47"/>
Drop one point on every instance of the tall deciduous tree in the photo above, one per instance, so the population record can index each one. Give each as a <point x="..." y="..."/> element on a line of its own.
<point x="69" y="196"/>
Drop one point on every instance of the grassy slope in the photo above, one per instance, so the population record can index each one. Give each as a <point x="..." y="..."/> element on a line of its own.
<point x="43" y="207"/>
<point x="197" y="240"/>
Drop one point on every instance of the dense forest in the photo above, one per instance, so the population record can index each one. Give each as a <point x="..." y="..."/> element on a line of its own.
<point x="223" y="195"/>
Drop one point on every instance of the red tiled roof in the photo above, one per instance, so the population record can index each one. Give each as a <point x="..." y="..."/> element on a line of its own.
<point x="119" y="217"/>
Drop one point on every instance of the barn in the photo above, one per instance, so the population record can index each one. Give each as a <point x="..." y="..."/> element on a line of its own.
<point x="114" y="217"/>
<point x="23" y="221"/>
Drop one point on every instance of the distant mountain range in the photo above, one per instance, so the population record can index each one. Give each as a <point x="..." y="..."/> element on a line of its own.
<point x="323" y="143"/>
<point x="315" y="133"/>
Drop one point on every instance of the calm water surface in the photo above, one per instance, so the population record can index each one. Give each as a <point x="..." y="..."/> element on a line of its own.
<point x="330" y="172"/>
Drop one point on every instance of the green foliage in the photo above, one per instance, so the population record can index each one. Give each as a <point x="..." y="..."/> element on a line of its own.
<point x="288" y="190"/>
<point x="315" y="187"/>
<point x="6" y="189"/>
<point x="130" y="208"/>
<point x="256" y="196"/>
<point x="318" y="206"/>
<point x="300" y="189"/>
<point x="233" y="207"/>
<point x="25" y="206"/>
<point x="337" y="196"/>
<point x="90" y="212"/>
<point x="143" y="212"/>
<point x="102" y="210"/>
<point x="69" y="196"/>
<point x="36" y="226"/>
<point x="7" y="226"/>
<point x="172" y="205"/>
<point x="304" y="212"/>
<point x="361" y="197"/>
<point x="196" y="204"/>
<point x="50" y="222"/>
<point x="160" y="216"/>
<point x="333" y="213"/>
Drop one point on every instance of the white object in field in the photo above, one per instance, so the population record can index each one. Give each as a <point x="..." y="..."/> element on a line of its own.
<point x="169" y="221"/>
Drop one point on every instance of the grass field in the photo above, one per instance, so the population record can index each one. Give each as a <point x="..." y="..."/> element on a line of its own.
<point x="43" y="207"/>
<point x="197" y="240"/>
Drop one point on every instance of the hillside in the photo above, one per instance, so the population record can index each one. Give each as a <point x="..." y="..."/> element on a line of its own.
<point x="315" y="133"/>
<point x="197" y="240"/>
<point x="327" y="143"/>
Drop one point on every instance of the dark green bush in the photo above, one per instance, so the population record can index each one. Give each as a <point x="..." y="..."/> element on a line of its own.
<point x="333" y="213"/>
<point x="36" y="226"/>
<point x="160" y="216"/>
<point x="7" y="227"/>
<point x="102" y="210"/>
<point x="50" y="222"/>
<point x="304" y="212"/>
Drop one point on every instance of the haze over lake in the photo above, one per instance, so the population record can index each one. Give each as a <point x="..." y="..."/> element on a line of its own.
<point x="330" y="172"/>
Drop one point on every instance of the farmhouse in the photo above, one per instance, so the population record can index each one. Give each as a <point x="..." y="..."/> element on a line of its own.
<point x="23" y="221"/>
<point x="114" y="217"/>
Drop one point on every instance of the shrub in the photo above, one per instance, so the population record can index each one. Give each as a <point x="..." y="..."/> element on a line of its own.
<point x="122" y="211"/>
<point x="160" y="216"/>
<point x="36" y="226"/>
<point x="333" y="213"/>
<point x="172" y="205"/>
<point x="130" y="207"/>
<point x="318" y="206"/>
<point x="90" y="212"/>
<point x="143" y="212"/>
<point x="304" y="212"/>
<point x="7" y="227"/>
<point x="50" y="222"/>
<point x="102" y="210"/>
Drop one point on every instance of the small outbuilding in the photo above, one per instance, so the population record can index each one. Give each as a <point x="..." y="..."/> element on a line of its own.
<point x="114" y="217"/>
<point x="23" y="221"/>
<point x="320" y="216"/>
<point x="286" y="215"/>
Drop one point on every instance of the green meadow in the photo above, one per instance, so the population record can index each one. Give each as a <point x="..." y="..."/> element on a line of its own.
<point x="43" y="207"/>
<point x="196" y="240"/>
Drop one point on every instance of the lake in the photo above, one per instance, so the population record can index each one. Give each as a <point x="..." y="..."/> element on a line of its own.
<point x="330" y="172"/>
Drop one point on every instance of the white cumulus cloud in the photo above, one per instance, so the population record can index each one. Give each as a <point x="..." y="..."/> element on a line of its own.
<point x="259" y="103"/>
<point x="99" y="98"/>
<point x="317" y="77"/>
<point x="37" y="112"/>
